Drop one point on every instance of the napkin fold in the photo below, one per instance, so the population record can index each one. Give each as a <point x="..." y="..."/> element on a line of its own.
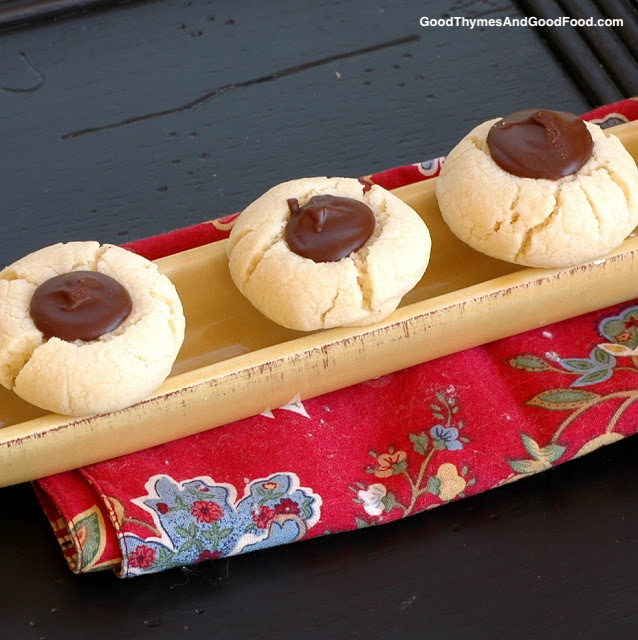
<point x="365" y="455"/>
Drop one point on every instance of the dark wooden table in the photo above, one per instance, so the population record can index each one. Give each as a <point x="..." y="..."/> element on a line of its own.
<point x="124" y="120"/>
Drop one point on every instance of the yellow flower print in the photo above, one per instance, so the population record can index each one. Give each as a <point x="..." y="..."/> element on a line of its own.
<point x="390" y="464"/>
<point x="618" y="349"/>
<point x="451" y="482"/>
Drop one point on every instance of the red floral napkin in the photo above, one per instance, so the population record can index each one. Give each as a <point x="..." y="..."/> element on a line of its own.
<point x="368" y="454"/>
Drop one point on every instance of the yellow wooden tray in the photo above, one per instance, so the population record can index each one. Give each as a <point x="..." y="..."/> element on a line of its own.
<point x="235" y="363"/>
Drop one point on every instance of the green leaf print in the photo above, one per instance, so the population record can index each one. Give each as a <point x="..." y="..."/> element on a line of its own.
<point x="89" y="530"/>
<point x="399" y="467"/>
<point x="530" y="363"/>
<point x="189" y="544"/>
<point x="563" y="399"/>
<point x="182" y="531"/>
<point x="579" y="364"/>
<point x="434" y="485"/>
<point x="548" y="454"/>
<point x="594" y="376"/>
<point x="362" y="524"/>
<point x="531" y="446"/>
<point x="420" y="442"/>
<point x="306" y="508"/>
<point x="543" y="457"/>
<point x="553" y="452"/>
<point x="527" y="466"/>
<point x="389" y="502"/>
<point x="602" y="356"/>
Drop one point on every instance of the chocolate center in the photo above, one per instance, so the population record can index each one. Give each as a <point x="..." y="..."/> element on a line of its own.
<point x="81" y="305"/>
<point x="539" y="143"/>
<point x="328" y="228"/>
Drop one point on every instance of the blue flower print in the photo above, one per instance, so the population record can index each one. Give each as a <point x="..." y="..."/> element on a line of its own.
<point x="446" y="437"/>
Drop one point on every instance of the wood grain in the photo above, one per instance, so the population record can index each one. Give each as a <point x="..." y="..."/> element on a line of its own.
<point x="388" y="92"/>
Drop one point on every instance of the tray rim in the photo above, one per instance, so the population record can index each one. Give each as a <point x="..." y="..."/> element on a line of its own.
<point x="319" y="351"/>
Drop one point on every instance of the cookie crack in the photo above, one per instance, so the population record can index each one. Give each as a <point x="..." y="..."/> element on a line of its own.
<point x="363" y="281"/>
<point x="514" y="213"/>
<point x="14" y="368"/>
<point x="331" y="307"/>
<point x="479" y="144"/>
<point x="528" y="236"/>
<point x="592" y="205"/>
<point x="99" y="254"/>
<point x="9" y="273"/>
<point x="514" y="205"/>
<point x="620" y="183"/>
<point x="237" y="236"/>
<point x="255" y="260"/>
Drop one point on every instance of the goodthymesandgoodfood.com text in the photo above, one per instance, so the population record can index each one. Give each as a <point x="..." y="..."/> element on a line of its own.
<point x="526" y="21"/>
